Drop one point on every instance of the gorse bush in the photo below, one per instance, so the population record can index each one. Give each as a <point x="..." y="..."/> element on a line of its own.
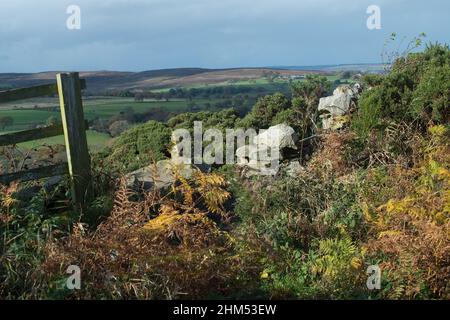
<point x="138" y="146"/>
<point x="224" y="119"/>
<point x="311" y="90"/>
<point x="416" y="90"/>
<point x="264" y="111"/>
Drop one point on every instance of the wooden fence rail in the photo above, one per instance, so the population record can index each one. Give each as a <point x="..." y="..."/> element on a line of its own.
<point x="32" y="92"/>
<point x="74" y="126"/>
<point x="32" y="134"/>
<point x="35" y="174"/>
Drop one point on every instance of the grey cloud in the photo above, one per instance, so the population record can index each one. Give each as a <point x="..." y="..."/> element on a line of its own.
<point x="147" y="34"/>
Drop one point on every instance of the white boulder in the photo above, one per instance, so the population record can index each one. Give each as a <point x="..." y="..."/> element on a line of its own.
<point x="158" y="176"/>
<point x="333" y="108"/>
<point x="280" y="136"/>
<point x="263" y="156"/>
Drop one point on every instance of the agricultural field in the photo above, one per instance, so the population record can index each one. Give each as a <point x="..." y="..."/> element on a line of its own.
<point x="260" y="82"/>
<point x="265" y="83"/>
<point x="28" y="114"/>
<point x="37" y="111"/>
<point x="96" y="141"/>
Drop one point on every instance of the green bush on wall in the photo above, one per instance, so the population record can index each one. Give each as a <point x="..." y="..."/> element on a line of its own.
<point x="417" y="90"/>
<point x="140" y="145"/>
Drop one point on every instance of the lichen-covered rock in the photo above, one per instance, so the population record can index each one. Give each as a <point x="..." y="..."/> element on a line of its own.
<point x="339" y="103"/>
<point x="264" y="155"/>
<point x="332" y="109"/>
<point x="158" y="176"/>
<point x="280" y="136"/>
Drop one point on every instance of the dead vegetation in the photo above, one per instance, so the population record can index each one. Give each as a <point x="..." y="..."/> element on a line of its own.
<point x="153" y="246"/>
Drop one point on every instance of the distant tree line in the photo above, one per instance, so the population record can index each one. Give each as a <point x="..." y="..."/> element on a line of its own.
<point x="128" y="117"/>
<point x="206" y="92"/>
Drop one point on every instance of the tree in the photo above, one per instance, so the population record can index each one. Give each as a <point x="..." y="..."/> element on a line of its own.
<point x="311" y="90"/>
<point x="265" y="110"/>
<point x="158" y="96"/>
<point x="117" y="127"/>
<point x="309" y="93"/>
<point x="345" y="75"/>
<point x="128" y="114"/>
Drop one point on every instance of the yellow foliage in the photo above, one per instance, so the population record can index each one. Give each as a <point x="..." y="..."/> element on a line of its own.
<point x="430" y="198"/>
<point x="389" y="233"/>
<point x="186" y="203"/>
<point x="412" y="228"/>
<point x="336" y="256"/>
<point x="438" y="131"/>
<point x="6" y="195"/>
<point x="186" y="190"/>
<point x="168" y="216"/>
<point x="211" y="188"/>
<point x="356" y="263"/>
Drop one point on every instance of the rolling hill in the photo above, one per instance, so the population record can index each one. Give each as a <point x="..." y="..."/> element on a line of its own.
<point x="100" y="81"/>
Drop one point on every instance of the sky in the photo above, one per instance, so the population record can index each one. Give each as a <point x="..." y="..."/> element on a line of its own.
<point x="138" y="35"/>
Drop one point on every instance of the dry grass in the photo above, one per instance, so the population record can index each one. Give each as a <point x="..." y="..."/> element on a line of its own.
<point x="410" y="232"/>
<point x="156" y="247"/>
<point x="332" y="156"/>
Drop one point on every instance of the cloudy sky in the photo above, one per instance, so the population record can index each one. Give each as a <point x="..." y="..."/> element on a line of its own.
<point x="136" y="35"/>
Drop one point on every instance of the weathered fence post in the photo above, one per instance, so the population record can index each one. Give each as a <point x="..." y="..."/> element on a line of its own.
<point x="79" y="163"/>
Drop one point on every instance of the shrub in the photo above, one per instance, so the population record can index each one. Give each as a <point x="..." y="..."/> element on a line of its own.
<point x="409" y="230"/>
<point x="153" y="245"/>
<point x="138" y="146"/>
<point x="311" y="90"/>
<point x="118" y="127"/>
<point x="224" y="119"/>
<point x="416" y="90"/>
<point x="264" y="111"/>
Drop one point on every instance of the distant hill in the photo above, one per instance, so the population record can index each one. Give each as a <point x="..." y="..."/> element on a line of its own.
<point x="362" y="67"/>
<point x="101" y="81"/>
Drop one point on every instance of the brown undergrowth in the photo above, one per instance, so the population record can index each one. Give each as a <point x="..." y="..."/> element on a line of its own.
<point x="409" y="215"/>
<point x="153" y="245"/>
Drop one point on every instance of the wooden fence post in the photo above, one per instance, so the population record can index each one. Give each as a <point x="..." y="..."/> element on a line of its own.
<point x="79" y="163"/>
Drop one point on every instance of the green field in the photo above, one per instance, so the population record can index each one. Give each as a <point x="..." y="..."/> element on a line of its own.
<point x="96" y="141"/>
<point x="111" y="107"/>
<point x="263" y="83"/>
<point x="25" y="116"/>
<point x="28" y="113"/>
<point x="252" y="83"/>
